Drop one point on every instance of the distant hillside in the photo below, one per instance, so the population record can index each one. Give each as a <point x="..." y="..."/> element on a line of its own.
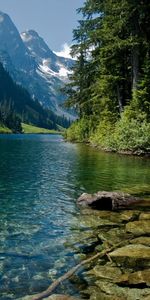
<point x="16" y="106"/>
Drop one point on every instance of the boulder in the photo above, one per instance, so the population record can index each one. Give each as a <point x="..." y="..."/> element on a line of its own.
<point x="144" y="216"/>
<point x="122" y="293"/>
<point x="144" y="240"/>
<point x="132" y="256"/>
<point x="61" y="297"/>
<point x="106" y="272"/>
<point x="52" y="297"/>
<point x="138" y="228"/>
<point x="140" y="279"/>
<point x="113" y="236"/>
<point x="107" y="200"/>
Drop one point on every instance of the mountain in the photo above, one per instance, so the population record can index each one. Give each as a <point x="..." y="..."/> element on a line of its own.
<point x="33" y="65"/>
<point x="11" y="43"/>
<point x="52" y="71"/>
<point x="16" y="105"/>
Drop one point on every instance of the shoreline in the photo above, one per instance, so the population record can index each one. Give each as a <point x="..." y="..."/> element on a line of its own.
<point x="137" y="153"/>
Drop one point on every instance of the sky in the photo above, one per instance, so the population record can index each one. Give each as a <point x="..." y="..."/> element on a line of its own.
<point x="54" y="20"/>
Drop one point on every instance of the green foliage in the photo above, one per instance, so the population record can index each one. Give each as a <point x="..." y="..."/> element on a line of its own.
<point x="110" y="82"/>
<point x="79" y="131"/>
<point x="33" y="129"/>
<point x="9" y="118"/>
<point x="103" y="136"/>
<point x="4" y="129"/>
<point x="132" y="132"/>
<point x="16" y="105"/>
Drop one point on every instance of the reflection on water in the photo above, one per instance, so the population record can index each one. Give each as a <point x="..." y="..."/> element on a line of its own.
<point x="40" y="225"/>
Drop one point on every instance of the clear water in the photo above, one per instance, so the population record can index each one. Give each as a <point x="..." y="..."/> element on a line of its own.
<point x="41" y="177"/>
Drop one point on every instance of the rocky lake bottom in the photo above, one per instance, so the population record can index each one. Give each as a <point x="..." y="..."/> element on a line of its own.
<point x="44" y="233"/>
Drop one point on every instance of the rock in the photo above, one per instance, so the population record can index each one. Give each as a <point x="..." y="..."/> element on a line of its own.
<point x="52" y="297"/>
<point x="96" y="294"/>
<point x="138" y="228"/>
<point x="61" y="297"/>
<point x="140" y="278"/>
<point x="107" y="200"/>
<point x="132" y="256"/>
<point x="144" y="240"/>
<point x="144" y="216"/>
<point x="113" y="236"/>
<point x="106" y="272"/>
<point x="91" y="221"/>
<point x="121" y="292"/>
<point x="128" y="215"/>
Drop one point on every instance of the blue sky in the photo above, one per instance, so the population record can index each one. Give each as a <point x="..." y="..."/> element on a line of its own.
<point x="54" y="20"/>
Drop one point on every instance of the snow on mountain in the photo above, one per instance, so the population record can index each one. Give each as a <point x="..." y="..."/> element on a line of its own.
<point x="48" y="61"/>
<point x="34" y="65"/>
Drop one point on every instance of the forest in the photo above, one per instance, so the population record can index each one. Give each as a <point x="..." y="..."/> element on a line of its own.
<point x="17" y="106"/>
<point x="110" y="81"/>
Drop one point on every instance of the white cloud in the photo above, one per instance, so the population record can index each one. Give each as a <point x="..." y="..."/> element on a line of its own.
<point x="65" y="52"/>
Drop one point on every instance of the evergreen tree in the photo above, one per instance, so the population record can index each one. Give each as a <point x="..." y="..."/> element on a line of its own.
<point x="111" y="77"/>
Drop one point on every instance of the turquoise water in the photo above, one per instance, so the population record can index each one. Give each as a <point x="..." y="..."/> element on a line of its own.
<point x="41" y="177"/>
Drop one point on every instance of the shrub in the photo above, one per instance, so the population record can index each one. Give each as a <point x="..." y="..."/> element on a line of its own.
<point x="132" y="132"/>
<point x="79" y="131"/>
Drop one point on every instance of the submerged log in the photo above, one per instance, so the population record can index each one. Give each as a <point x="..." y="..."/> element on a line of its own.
<point x="107" y="200"/>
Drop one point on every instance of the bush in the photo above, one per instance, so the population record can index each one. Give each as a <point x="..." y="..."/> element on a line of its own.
<point x="103" y="135"/>
<point x="132" y="132"/>
<point x="79" y="131"/>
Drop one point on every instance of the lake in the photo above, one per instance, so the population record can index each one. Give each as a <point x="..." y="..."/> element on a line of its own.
<point x="41" y="176"/>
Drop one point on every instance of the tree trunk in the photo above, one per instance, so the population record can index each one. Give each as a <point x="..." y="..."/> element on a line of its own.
<point x="135" y="51"/>
<point x="120" y="100"/>
<point x="135" y="66"/>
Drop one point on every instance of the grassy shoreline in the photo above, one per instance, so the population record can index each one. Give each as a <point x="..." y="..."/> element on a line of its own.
<point x="130" y="138"/>
<point x="4" y="130"/>
<point x="30" y="129"/>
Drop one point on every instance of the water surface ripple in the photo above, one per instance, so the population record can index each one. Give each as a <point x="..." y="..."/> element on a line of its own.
<point x="41" y="177"/>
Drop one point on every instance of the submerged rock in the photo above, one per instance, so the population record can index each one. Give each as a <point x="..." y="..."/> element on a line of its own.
<point x="52" y="297"/>
<point x="122" y="293"/>
<point x="144" y="240"/>
<point x="107" y="200"/>
<point x="61" y="297"/>
<point x="138" y="228"/>
<point x="144" y="216"/>
<point x="132" y="255"/>
<point x="106" y="272"/>
<point x="113" y="236"/>
<point x="140" y="278"/>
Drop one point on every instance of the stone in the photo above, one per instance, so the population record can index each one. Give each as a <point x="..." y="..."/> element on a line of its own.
<point x="138" y="228"/>
<point x="106" y="272"/>
<point x="107" y="200"/>
<point x="144" y="216"/>
<point x="113" y="236"/>
<point x="128" y="215"/>
<point x="61" y="297"/>
<point x="52" y="297"/>
<point x="96" y="222"/>
<point x="144" y="240"/>
<point x="95" y="293"/>
<point x="122" y="292"/>
<point x="139" y="278"/>
<point x="132" y="256"/>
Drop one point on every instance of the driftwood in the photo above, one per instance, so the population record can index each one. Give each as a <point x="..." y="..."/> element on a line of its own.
<point x="107" y="200"/>
<point x="68" y="274"/>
